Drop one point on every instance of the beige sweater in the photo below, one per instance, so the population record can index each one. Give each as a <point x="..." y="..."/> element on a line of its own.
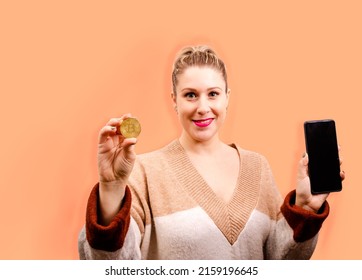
<point x="169" y="212"/>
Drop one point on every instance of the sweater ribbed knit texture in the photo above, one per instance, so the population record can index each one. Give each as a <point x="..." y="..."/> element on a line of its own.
<point x="176" y="215"/>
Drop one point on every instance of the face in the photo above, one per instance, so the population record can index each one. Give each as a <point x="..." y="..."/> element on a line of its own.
<point x="201" y="102"/>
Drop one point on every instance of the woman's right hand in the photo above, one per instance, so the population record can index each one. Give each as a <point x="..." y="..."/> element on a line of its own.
<point x="116" y="157"/>
<point x="116" y="154"/>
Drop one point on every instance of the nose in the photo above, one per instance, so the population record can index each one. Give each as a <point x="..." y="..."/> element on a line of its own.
<point x="203" y="106"/>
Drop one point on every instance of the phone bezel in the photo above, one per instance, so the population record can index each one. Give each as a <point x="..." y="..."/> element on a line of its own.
<point x="314" y="189"/>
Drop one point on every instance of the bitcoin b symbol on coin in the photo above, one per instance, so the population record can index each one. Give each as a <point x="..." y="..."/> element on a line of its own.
<point x="130" y="127"/>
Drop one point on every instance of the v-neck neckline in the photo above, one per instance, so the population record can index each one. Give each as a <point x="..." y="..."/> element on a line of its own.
<point x="230" y="217"/>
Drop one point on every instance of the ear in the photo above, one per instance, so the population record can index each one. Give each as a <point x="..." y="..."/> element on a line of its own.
<point x="173" y="97"/>
<point x="227" y="97"/>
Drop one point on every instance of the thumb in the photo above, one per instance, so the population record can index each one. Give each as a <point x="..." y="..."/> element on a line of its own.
<point x="129" y="147"/>
<point x="303" y="167"/>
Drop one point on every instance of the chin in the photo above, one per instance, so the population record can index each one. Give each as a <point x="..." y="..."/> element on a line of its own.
<point x="203" y="137"/>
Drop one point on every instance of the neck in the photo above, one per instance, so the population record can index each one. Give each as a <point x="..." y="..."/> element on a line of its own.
<point x="200" y="147"/>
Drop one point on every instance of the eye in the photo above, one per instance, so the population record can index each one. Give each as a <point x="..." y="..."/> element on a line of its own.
<point x="190" y="95"/>
<point x="213" y="93"/>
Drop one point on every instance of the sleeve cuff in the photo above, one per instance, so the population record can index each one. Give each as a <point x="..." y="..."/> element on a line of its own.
<point x="305" y="224"/>
<point x="112" y="236"/>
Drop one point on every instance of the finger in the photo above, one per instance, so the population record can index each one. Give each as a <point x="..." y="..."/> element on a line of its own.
<point x="305" y="159"/>
<point x="343" y="175"/>
<point x="340" y="161"/>
<point x="339" y="152"/>
<point x="116" y="121"/>
<point x="128" y="144"/>
<point x="303" y="167"/>
<point x="105" y="132"/>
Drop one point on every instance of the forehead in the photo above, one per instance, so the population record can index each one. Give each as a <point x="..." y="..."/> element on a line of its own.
<point x="200" y="77"/>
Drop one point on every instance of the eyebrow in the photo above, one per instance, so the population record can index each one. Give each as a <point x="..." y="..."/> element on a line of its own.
<point x="193" y="89"/>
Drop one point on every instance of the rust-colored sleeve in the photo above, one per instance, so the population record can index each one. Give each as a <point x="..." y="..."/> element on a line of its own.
<point x="305" y="224"/>
<point x="110" y="237"/>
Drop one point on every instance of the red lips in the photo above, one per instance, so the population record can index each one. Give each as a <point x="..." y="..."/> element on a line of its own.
<point x="203" y="122"/>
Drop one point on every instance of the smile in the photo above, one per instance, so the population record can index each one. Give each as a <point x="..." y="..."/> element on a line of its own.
<point x="203" y="123"/>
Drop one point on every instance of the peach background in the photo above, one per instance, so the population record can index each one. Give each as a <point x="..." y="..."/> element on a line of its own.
<point x="67" y="67"/>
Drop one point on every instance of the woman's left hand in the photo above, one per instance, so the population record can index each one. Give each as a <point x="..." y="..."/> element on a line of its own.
<point x="304" y="197"/>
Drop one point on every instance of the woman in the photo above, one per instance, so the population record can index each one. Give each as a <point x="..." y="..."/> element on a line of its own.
<point x="196" y="198"/>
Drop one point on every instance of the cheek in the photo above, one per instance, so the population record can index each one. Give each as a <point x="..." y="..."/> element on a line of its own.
<point x="185" y="108"/>
<point x="221" y="107"/>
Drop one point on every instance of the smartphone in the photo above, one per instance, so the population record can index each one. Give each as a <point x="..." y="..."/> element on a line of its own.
<point x="322" y="148"/>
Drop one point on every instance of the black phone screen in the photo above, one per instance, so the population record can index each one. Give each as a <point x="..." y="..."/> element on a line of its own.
<point x="322" y="149"/>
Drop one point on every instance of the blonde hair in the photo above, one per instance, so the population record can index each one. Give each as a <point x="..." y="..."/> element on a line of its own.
<point x="197" y="56"/>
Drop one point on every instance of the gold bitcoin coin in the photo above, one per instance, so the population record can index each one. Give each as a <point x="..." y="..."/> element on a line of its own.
<point x="130" y="128"/>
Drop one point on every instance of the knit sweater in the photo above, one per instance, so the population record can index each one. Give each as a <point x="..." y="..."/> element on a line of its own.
<point x="169" y="212"/>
